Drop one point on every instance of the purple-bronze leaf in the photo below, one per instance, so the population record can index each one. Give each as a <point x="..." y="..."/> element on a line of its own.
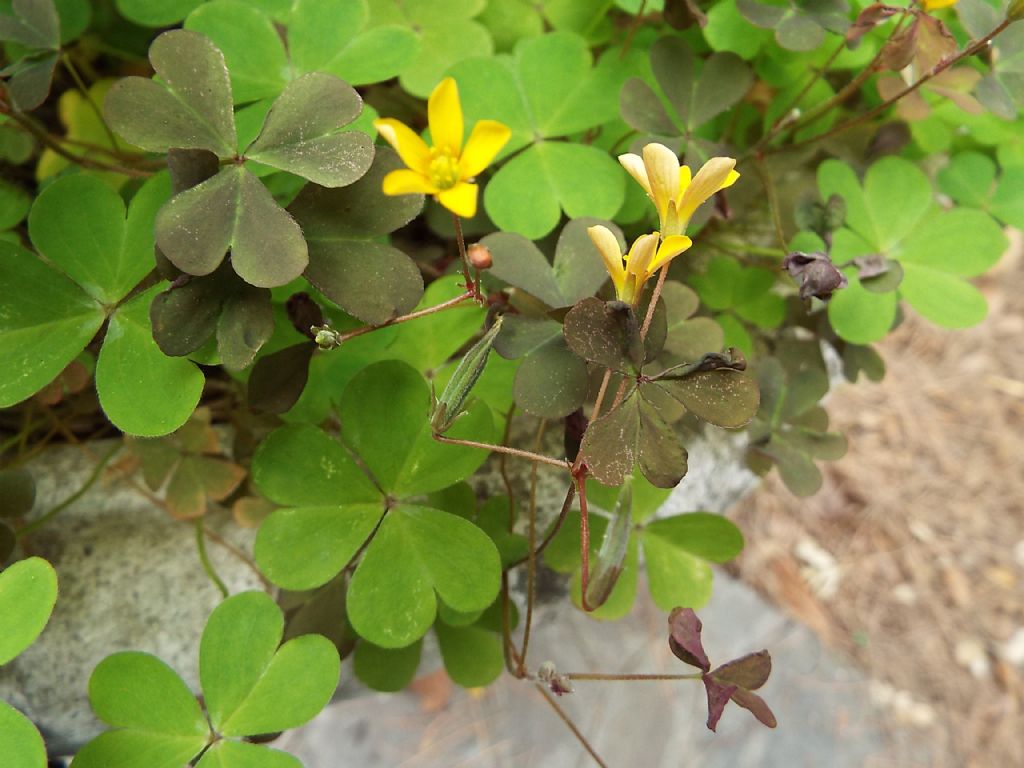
<point x="684" y="638"/>
<point x="718" y="697"/>
<point x="756" y="706"/>
<point x="750" y="671"/>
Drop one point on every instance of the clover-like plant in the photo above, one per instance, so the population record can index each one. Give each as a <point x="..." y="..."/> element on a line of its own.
<point x="189" y="108"/>
<point x="252" y="685"/>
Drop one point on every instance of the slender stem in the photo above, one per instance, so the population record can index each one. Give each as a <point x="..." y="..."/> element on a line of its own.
<point x="406" y="318"/>
<point x="846" y="91"/>
<point x="875" y="111"/>
<point x="529" y="455"/>
<point x="633" y="27"/>
<point x="512" y="658"/>
<point x="780" y="121"/>
<point x="531" y="552"/>
<point x="628" y="677"/>
<point x="570" y="725"/>
<point x="205" y="560"/>
<point x="658" y="286"/>
<point x="773" y="201"/>
<point x="49" y="141"/>
<point x="43" y="519"/>
<point x="581" y="487"/>
<point x="220" y="541"/>
<point x="570" y="495"/>
<point x="84" y="90"/>
<point x="471" y="286"/>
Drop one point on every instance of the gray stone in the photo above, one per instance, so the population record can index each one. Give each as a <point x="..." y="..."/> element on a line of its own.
<point x="129" y="579"/>
<point x="822" y="705"/>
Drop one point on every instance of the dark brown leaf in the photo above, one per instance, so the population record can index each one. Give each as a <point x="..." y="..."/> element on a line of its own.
<point x="277" y="380"/>
<point x="684" y="638"/>
<point x="756" y="706"/>
<point x="750" y="671"/>
<point x="718" y="697"/>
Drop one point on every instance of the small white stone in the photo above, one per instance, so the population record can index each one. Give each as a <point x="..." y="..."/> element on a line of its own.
<point x="822" y="572"/>
<point x="904" y="594"/>
<point x="1013" y="649"/>
<point x="971" y="655"/>
<point x="1018" y="553"/>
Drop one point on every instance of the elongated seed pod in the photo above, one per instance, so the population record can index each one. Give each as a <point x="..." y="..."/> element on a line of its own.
<point x="449" y="405"/>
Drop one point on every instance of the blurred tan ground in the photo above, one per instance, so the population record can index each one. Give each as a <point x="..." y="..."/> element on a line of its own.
<point x="924" y="523"/>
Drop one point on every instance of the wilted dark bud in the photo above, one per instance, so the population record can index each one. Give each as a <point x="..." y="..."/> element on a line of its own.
<point x="304" y="313"/>
<point x="558" y="684"/>
<point x="1015" y="10"/>
<point x="449" y="406"/>
<point x="816" y="274"/>
<point x="479" y="256"/>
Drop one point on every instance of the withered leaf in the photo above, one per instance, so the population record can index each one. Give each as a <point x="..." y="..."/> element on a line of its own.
<point x="817" y="275"/>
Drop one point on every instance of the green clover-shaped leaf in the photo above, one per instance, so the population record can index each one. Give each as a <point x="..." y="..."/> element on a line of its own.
<point x="190" y="108"/>
<point x="548" y="89"/>
<point x="34" y="25"/>
<point x="893" y="215"/>
<point x="370" y="280"/>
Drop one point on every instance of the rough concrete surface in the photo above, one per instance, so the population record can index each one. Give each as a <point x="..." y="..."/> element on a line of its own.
<point x="129" y="578"/>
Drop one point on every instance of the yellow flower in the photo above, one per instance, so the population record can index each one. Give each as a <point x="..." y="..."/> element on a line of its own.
<point x="934" y="5"/>
<point x="446" y="169"/>
<point x="674" y="193"/>
<point x="631" y="271"/>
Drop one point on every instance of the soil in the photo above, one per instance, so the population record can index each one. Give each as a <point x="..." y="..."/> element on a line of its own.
<point x="910" y="560"/>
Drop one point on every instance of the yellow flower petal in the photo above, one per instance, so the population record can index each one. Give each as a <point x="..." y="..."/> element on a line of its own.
<point x="685" y="177"/>
<point x="634" y="166"/>
<point x="934" y="5"/>
<point x="670" y="248"/>
<point x="608" y="247"/>
<point x="444" y="112"/>
<point x="716" y="174"/>
<point x="407" y="182"/>
<point x="485" y="141"/>
<point x="640" y="256"/>
<point x="460" y="200"/>
<point x="411" y="148"/>
<point x="663" y="174"/>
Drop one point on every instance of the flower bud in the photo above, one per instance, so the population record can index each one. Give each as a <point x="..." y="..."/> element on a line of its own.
<point x="325" y="337"/>
<point x="1015" y="11"/>
<point x="479" y="256"/>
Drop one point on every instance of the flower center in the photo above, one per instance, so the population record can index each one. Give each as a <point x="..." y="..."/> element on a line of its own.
<point x="444" y="168"/>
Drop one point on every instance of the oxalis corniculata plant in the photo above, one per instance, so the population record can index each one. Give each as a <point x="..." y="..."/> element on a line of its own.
<point x="226" y="243"/>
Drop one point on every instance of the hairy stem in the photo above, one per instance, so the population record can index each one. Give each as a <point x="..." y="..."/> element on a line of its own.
<point x="970" y="50"/>
<point x="406" y="318"/>
<point x="531" y="553"/>
<point x="472" y="287"/>
<point x="595" y="676"/>
<point x="529" y="455"/>
<point x="570" y="725"/>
